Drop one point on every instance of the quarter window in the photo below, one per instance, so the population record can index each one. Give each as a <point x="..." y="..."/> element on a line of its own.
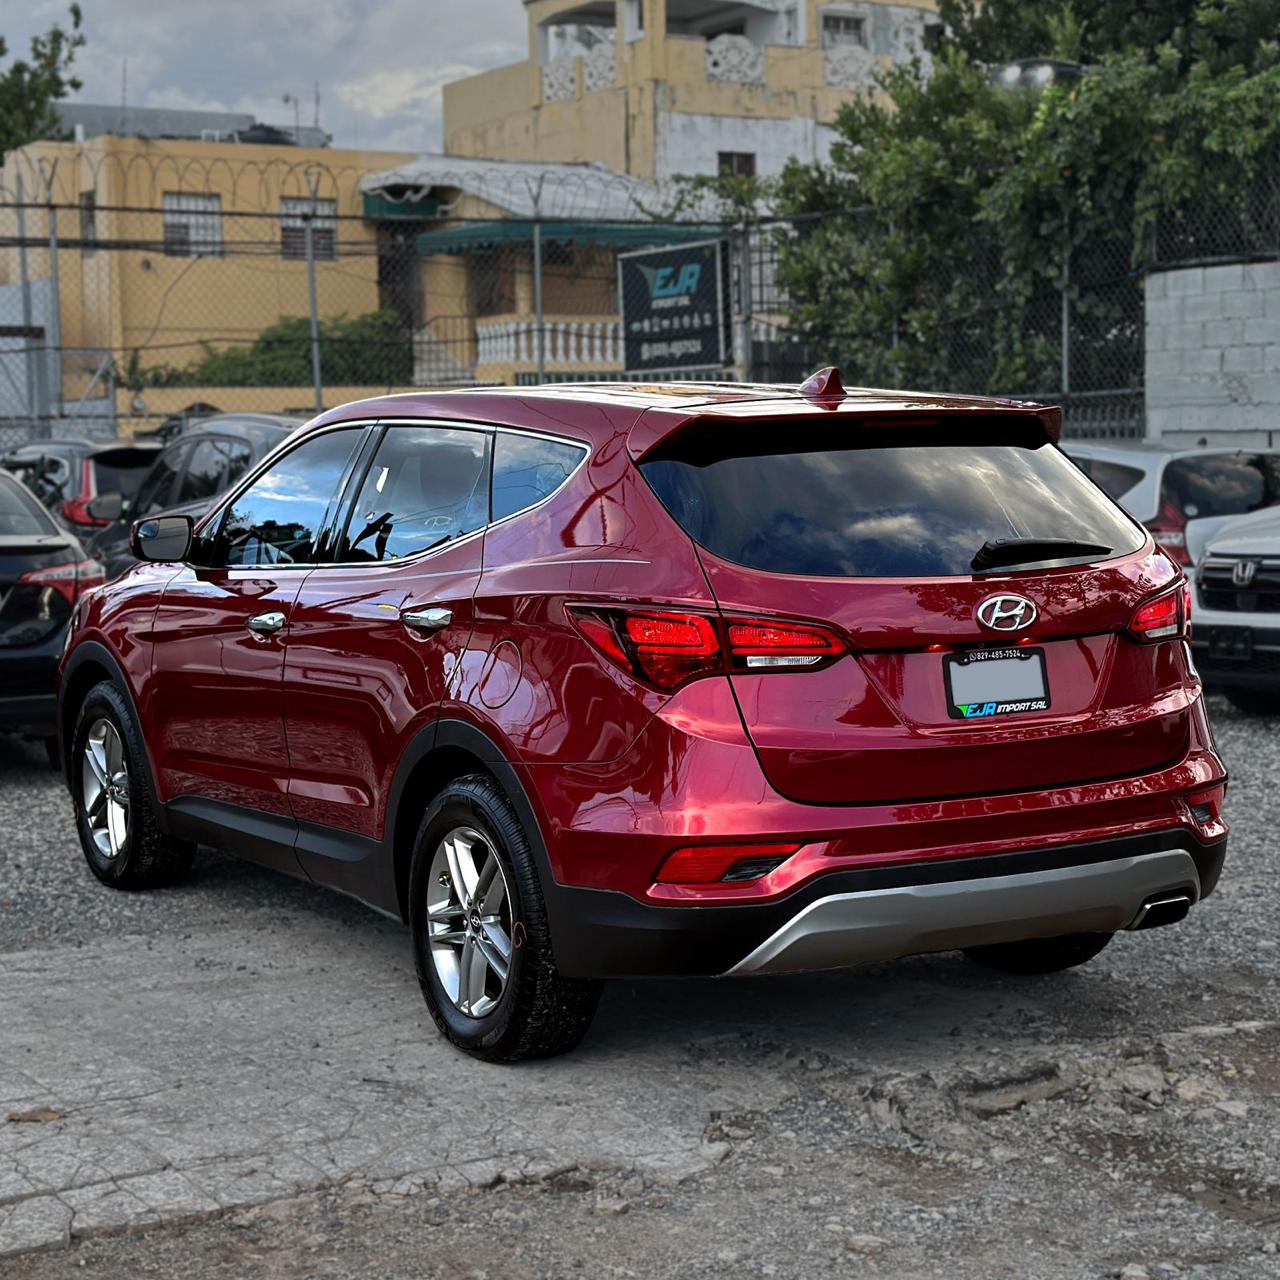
<point x="526" y="470"/>
<point x="280" y="517"/>
<point x="425" y="487"/>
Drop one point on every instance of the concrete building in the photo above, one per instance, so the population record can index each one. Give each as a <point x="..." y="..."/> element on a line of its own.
<point x="659" y="88"/>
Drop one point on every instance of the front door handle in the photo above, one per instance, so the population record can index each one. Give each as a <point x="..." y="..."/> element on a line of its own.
<point x="266" y="624"/>
<point x="427" y="619"/>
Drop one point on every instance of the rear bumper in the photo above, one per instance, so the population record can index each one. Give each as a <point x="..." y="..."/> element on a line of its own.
<point x="882" y="913"/>
<point x="35" y="672"/>
<point x="1230" y="651"/>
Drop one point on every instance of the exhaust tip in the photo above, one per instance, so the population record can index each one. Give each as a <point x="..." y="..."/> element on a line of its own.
<point x="1162" y="909"/>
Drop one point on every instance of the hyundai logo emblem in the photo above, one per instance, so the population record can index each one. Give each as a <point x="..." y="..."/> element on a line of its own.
<point x="1243" y="572"/>
<point x="1006" y="613"/>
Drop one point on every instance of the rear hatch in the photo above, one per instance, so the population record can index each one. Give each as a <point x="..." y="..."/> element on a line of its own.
<point x="872" y="529"/>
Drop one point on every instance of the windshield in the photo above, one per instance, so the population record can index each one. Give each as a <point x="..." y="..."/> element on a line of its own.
<point x="882" y="502"/>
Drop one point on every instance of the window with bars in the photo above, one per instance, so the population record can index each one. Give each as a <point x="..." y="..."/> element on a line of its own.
<point x="842" y="29"/>
<point x="294" y="211"/>
<point x="736" y="164"/>
<point x="192" y="224"/>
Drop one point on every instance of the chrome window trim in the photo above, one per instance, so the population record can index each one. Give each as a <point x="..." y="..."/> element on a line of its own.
<point x="487" y="428"/>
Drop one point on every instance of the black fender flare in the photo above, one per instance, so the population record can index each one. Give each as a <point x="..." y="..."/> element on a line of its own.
<point x="448" y="733"/>
<point x="97" y="652"/>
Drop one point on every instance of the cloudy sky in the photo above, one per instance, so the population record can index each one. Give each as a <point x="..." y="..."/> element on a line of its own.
<point x="380" y="63"/>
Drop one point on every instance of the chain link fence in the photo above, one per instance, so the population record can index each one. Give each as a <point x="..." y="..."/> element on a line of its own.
<point x="128" y="305"/>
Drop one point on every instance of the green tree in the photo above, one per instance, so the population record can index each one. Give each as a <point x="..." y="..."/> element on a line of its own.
<point x="30" y="89"/>
<point x="977" y="205"/>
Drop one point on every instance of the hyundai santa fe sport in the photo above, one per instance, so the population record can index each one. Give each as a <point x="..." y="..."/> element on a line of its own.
<point x="599" y="681"/>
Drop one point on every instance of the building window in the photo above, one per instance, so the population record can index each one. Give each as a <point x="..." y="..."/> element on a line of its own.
<point x="294" y="211"/>
<point x="736" y="164"/>
<point x="842" y="29"/>
<point x="88" y="222"/>
<point x="192" y="225"/>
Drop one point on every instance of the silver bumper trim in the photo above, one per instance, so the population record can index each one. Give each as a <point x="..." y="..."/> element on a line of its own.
<point x="883" y="924"/>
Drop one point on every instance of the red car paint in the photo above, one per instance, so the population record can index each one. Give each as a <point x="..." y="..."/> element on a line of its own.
<point x="856" y="762"/>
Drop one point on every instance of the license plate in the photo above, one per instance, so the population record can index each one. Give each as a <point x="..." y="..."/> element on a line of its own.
<point x="982" y="683"/>
<point x="1231" y="644"/>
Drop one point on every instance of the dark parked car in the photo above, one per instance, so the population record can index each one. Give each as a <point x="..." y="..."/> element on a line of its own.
<point x="43" y="572"/>
<point x="186" y="477"/>
<point x="621" y="681"/>
<point x="68" y="475"/>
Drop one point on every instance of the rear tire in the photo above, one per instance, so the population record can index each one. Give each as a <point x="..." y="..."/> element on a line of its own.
<point x="1040" y="955"/>
<point x="483" y="948"/>
<point x="1254" y="702"/>
<point x="115" y="810"/>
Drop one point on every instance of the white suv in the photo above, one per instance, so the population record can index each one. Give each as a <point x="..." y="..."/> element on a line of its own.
<point x="1236" y="632"/>
<point x="1183" y="496"/>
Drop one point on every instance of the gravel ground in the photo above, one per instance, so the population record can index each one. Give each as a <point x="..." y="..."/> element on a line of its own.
<point x="919" y="1119"/>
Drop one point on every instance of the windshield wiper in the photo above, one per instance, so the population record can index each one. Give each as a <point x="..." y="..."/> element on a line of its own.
<point x="996" y="552"/>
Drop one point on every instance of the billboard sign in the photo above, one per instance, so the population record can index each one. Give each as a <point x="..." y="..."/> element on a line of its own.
<point x="675" y="308"/>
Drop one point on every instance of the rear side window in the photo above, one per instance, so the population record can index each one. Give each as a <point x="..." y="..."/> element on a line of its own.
<point x="1113" y="478"/>
<point x="1222" y="484"/>
<point x="425" y="487"/>
<point x="156" y="491"/>
<point x="20" y="514"/>
<point x="879" y="502"/>
<point x="526" y="470"/>
<point x="214" y="466"/>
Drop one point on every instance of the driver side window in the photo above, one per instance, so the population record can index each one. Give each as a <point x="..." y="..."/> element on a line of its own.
<point x="279" y="518"/>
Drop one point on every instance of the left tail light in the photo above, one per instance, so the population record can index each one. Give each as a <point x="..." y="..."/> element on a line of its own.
<point x="1163" y="617"/>
<point x="667" y="648"/>
<point x="70" y="581"/>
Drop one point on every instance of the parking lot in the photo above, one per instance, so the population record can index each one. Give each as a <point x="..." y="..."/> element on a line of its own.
<point x="240" y="1073"/>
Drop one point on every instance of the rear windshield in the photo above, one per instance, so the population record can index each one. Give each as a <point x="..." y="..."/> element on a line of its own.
<point x="122" y="479"/>
<point x="883" y="502"/>
<point x="1222" y="484"/>
<point x="21" y="514"/>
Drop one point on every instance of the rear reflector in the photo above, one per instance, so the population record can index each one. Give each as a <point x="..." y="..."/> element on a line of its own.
<point x="723" y="863"/>
<point x="1165" y="617"/>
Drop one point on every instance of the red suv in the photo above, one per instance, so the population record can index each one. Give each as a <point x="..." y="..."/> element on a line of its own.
<point x="597" y="681"/>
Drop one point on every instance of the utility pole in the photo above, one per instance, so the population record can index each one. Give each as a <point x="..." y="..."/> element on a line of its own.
<point x="539" y="330"/>
<point x="35" y="379"/>
<point x="55" y="306"/>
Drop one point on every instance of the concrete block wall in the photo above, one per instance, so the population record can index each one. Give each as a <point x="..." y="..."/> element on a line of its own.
<point x="1213" y="354"/>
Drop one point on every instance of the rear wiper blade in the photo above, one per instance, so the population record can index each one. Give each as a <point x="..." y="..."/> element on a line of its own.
<point x="1005" y="551"/>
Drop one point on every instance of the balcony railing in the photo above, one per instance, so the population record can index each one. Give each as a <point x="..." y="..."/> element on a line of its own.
<point x="735" y="58"/>
<point x="586" y="343"/>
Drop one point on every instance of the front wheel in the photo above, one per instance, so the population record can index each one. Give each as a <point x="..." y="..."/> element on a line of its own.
<point x="1040" y="955"/>
<point x="481" y="940"/>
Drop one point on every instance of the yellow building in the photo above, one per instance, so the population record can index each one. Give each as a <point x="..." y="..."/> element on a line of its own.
<point x="170" y="248"/>
<point x="660" y="88"/>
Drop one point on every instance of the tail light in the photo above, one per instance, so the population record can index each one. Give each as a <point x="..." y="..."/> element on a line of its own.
<point x="666" y="648"/>
<point x="723" y="863"/>
<point x="1163" y="617"/>
<point x="70" y="581"/>
<point x="76" y="510"/>
<point x="1169" y="529"/>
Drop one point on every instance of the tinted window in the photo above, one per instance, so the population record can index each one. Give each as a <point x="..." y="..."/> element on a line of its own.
<point x="1222" y="484"/>
<point x="20" y="513"/>
<point x="426" y="486"/>
<point x="156" y="491"/>
<point x="1112" y="478"/>
<point x="214" y="465"/>
<point x="526" y="470"/>
<point x="278" y="519"/>
<point x="898" y="502"/>
<point x="119" y="479"/>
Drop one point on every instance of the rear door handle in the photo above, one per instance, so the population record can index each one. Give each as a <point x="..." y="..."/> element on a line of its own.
<point x="266" y="624"/>
<point x="426" y="619"/>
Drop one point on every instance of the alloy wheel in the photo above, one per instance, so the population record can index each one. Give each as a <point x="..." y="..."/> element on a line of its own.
<point x="104" y="779"/>
<point x="469" y="921"/>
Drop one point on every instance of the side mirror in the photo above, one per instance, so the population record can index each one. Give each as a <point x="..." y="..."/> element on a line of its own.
<point x="107" y="506"/>
<point x="161" y="538"/>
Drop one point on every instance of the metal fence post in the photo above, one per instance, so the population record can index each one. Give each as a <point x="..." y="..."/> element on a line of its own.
<point x="55" y="309"/>
<point x="35" y="381"/>
<point x="309" y="228"/>
<point x="746" y="353"/>
<point x="1066" y="303"/>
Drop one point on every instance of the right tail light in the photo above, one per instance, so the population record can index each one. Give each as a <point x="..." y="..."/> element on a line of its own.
<point x="1163" y="617"/>
<point x="1169" y="529"/>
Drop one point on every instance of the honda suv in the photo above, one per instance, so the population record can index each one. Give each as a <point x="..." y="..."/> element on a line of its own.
<point x="597" y="681"/>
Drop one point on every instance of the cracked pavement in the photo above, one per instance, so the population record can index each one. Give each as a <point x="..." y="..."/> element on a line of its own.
<point x="240" y="1073"/>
